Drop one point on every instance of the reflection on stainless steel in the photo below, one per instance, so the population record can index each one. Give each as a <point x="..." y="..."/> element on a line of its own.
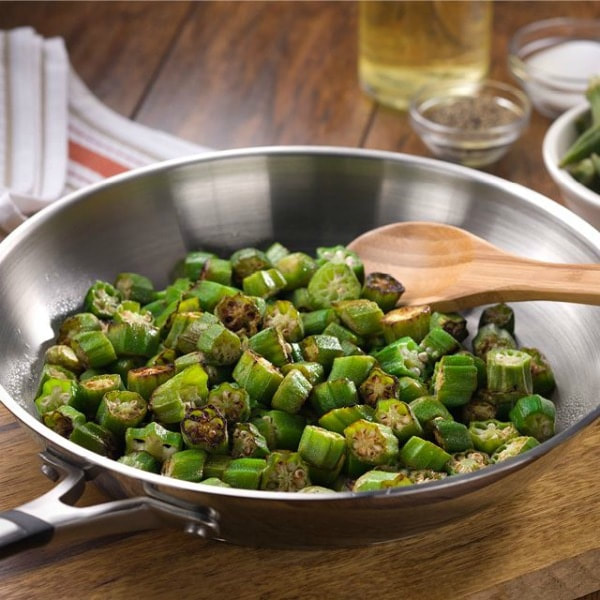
<point x="303" y="197"/>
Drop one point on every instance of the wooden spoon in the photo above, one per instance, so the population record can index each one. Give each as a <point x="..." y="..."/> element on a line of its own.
<point x="451" y="269"/>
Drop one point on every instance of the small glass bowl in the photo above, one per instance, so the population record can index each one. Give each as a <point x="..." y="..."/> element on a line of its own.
<point x="471" y="123"/>
<point x="553" y="61"/>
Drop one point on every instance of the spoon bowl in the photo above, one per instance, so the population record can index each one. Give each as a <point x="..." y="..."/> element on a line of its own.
<point x="452" y="269"/>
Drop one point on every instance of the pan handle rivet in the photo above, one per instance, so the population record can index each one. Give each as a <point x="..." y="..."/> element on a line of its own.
<point x="50" y="472"/>
<point x="195" y="529"/>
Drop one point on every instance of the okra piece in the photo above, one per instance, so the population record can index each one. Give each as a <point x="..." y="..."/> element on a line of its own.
<point x="418" y="453"/>
<point x="285" y="471"/>
<point x="134" y="286"/>
<point x="275" y="252"/>
<point x="187" y="360"/>
<point x="426" y="409"/>
<point x="339" y="418"/>
<point x="245" y="473"/>
<point x="488" y="435"/>
<point x="542" y="376"/>
<point x="194" y="262"/>
<point x="292" y="393"/>
<point x="217" y="270"/>
<point x="63" y="420"/>
<point x="264" y="284"/>
<point x="436" y="343"/>
<point x="271" y="344"/>
<point x="336" y="393"/>
<point x="56" y="393"/>
<point x="188" y="388"/>
<point x="535" y="416"/>
<point x="479" y="365"/>
<point x="96" y="438"/>
<point x="383" y="289"/>
<point x="500" y="315"/>
<point x="410" y="389"/>
<point x="215" y="466"/>
<point x="84" y="321"/>
<point x="451" y="436"/>
<point x="399" y="417"/>
<point x="425" y="475"/>
<point x="361" y="316"/>
<point x="380" y="480"/>
<point x="93" y="349"/>
<point x="297" y="268"/>
<point x="351" y="349"/>
<point x="301" y="299"/>
<point x="320" y="447"/>
<point x="322" y="349"/>
<point x="514" y="447"/>
<point x="54" y="372"/>
<point x="246" y="261"/>
<point x="281" y="430"/>
<point x="205" y="429"/>
<point x="509" y="370"/>
<point x="182" y="322"/>
<point x="248" y="441"/>
<point x="354" y="468"/>
<point x="141" y="460"/>
<point x="378" y="385"/>
<point x="258" y="376"/>
<point x="231" y="400"/>
<point x="154" y="439"/>
<point x="63" y="356"/>
<point x="401" y="358"/>
<point x="121" y="366"/>
<point x="452" y="323"/>
<point x="479" y="408"/>
<point x="284" y="316"/>
<point x="491" y="336"/>
<point x="327" y="477"/>
<point x="144" y="380"/>
<point x="333" y="282"/>
<point x="316" y="489"/>
<point x="121" y="409"/>
<point x="215" y="481"/>
<point x="187" y="465"/>
<point x="354" y="368"/>
<point x="240" y="314"/>
<point x="341" y="255"/>
<point x="406" y="321"/>
<point x="371" y="443"/>
<point x="210" y="293"/>
<point x="313" y="371"/>
<point x="316" y="321"/>
<point x="342" y="333"/>
<point x="219" y="345"/>
<point x="133" y="339"/>
<point x="92" y="389"/>
<point x="454" y="379"/>
<point x="102" y="299"/>
<point x="467" y="462"/>
<point x="164" y="356"/>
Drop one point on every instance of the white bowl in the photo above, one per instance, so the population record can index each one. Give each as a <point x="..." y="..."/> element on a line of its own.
<point x="558" y="138"/>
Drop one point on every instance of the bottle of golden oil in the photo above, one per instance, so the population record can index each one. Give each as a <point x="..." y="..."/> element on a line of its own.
<point x="405" y="45"/>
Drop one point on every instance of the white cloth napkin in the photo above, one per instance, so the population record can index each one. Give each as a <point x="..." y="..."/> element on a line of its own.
<point x="55" y="135"/>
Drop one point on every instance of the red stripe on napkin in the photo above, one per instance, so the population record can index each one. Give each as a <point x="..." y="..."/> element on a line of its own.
<point x="94" y="161"/>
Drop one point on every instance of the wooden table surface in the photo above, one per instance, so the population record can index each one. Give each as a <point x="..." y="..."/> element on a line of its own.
<point x="225" y="75"/>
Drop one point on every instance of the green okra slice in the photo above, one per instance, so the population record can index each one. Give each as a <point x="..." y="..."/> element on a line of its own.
<point x="341" y="255"/>
<point x="92" y="389"/>
<point x="120" y="409"/>
<point x="351" y="349"/>
<point x="164" y="356"/>
<point x="383" y="289"/>
<point x="542" y="375"/>
<point x="451" y="436"/>
<point x="355" y="368"/>
<point x="193" y="263"/>
<point x="63" y="419"/>
<point x="102" y="299"/>
<point x="327" y="477"/>
<point x="398" y="416"/>
<point x="332" y="282"/>
<point x="248" y="441"/>
<point x="285" y="471"/>
<point x="535" y="416"/>
<point x="378" y="385"/>
<point x="316" y="489"/>
<point x="205" y="429"/>
<point x="136" y="287"/>
<point x="280" y="429"/>
<point x="187" y="465"/>
<point x="56" y="393"/>
<point x="406" y="321"/>
<point x="284" y="317"/>
<point x="54" y="372"/>
<point x="215" y="466"/>
<point x="321" y="348"/>
<point x="410" y="389"/>
<point x="452" y="323"/>
<point x="292" y="393"/>
<point x="63" y="356"/>
<point x="133" y="339"/>
<point x="181" y="321"/>
<point x="210" y="293"/>
<point x="240" y="314"/>
<point x="491" y="336"/>
<point x="144" y="380"/>
<point x="245" y="473"/>
<point x="297" y="268"/>
<point x="437" y="343"/>
<point x="271" y="344"/>
<point x="509" y="370"/>
<point x="425" y="475"/>
<point x="342" y="333"/>
<point x="301" y="299"/>
<point x="141" y="460"/>
<point x="514" y="447"/>
<point x="215" y="482"/>
<point x="275" y="252"/>
<point x="258" y="376"/>
<point x="83" y="321"/>
<point x="154" y="439"/>
<point x="500" y="315"/>
<point x="264" y="284"/>
<point x="219" y="345"/>
<point x="96" y="438"/>
<point x="320" y="447"/>
<point x="187" y="360"/>
<point x="418" y="453"/>
<point x="335" y="393"/>
<point x="316" y="321"/>
<point x="374" y="480"/>
<point x="371" y="443"/>
<point x="454" y="379"/>
<point x="467" y="462"/>
<point x="428" y="408"/>
<point x="246" y="261"/>
<point x="361" y="316"/>
<point x="479" y="365"/>
<point x="313" y="371"/>
<point x="353" y="468"/>
<point x="188" y="388"/>
<point x="218" y="270"/>
<point x="488" y="435"/>
<point x="338" y="419"/>
<point x="403" y="357"/>
<point x="93" y="349"/>
<point x="479" y="408"/>
<point x="120" y="367"/>
<point x="231" y="400"/>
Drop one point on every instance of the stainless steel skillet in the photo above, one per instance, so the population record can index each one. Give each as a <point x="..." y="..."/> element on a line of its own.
<point x="304" y="197"/>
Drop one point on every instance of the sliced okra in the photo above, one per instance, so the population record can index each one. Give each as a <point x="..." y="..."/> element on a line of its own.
<point x="133" y="339"/>
<point x="144" y="380"/>
<point x="120" y="409"/>
<point x="63" y="419"/>
<point x="194" y="262"/>
<point x="320" y="447"/>
<point x="514" y="447"/>
<point x="383" y="289"/>
<point x="371" y="443"/>
<point x="245" y="473"/>
<point x="56" y="393"/>
<point x="491" y="336"/>
<point x="264" y="284"/>
<point x="398" y="416"/>
<point x="454" y="379"/>
<point x="284" y="316"/>
<point x="542" y="376"/>
<point x="83" y="321"/>
<point x="297" y="269"/>
<point x="355" y="368"/>
<point x="64" y="356"/>
<point x="321" y="348"/>
<point x="332" y="282"/>
<point x="205" y="429"/>
<point x="258" y="376"/>
<point x="141" y="460"/>
<point x="313" y="371"/>
<point x="102" y="299"/>
<point x="280" y="429"/>
<point x="509" y="370"/>
<point x="428" y="408"/>
<point x="219" y="345"/>
<point x="292" y="393"/>
<point x="187" y="465"/>
<point x="154" y="439"/>
<point x="285" y="471"/>
<point x="218" y="270"/>
<point x="248" y="441"/>
<point x="436" y="343"/>
<point x="361" y="316"/>
<point x="467" y="462"/>
<point x="246" y="261"/>
<point x="136" y="287"/>
<point x="275" y="252"/>
<point x="339" y="418"/>
<point x="210" y="293"/>
<point x="231" y="400"/>
<point x="451" y="436"/>
<point x="410" y="389"/>
<point x="93" y="349"/>
<point x="403" y="357"/>
<point x="500" y="315"/>
<point x="96" y="438"/>
<point x="380" y="480"/>
<point x="488" y="435"/>
<point x="301" y="299"/>
<point x="535" y="416"/>
<point x="240" y="314"/>
<point x="316" y="321"/>
<point x="378" y="385"/>
<point x="452" y="323"/>
<point x="406" y="321"/>
<point x="418" y="453"/>
<point x="335" y="393"/>
<point x="215" y="466"/>
<point x="270" y="344"/>
<point x="341" y="255"/>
